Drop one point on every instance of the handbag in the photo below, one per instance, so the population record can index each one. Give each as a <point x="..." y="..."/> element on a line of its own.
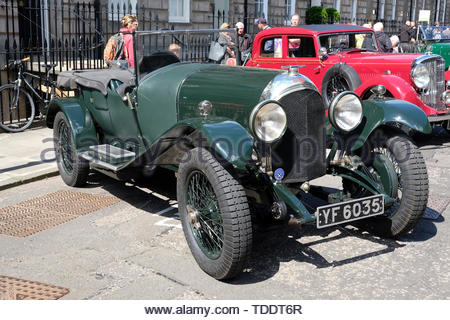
<point x="216" y="51"/>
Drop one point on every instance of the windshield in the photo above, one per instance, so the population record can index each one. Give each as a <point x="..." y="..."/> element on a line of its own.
<point x="435" y="33"/>
<point x="156" y="49"/>
<point x="348" y="42"/>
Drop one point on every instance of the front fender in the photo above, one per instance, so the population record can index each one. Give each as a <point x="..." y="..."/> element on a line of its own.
<point x="379" y="112"/>
<point x="398" y="87"/>
<point x="80" y="120"/>
<point x="227" y="138"/>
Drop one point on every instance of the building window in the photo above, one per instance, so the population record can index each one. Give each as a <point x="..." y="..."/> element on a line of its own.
<point x="179" y="11"/>
<point x="118" y="8"/>
<point x="261" y="8"/>
<point x="289" y="11"/>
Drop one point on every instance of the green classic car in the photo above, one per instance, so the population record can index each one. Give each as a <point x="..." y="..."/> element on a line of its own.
<point x="246" y="145"/>
<point x="436" y="39"/>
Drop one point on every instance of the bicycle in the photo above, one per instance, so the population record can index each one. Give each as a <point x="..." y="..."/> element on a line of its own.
<point x="20" y="113"/>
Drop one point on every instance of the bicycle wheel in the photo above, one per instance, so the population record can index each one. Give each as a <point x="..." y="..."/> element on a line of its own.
<point x="17" y="109"/>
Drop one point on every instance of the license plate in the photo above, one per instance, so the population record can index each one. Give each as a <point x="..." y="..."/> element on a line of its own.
<point x="347" y="211"/>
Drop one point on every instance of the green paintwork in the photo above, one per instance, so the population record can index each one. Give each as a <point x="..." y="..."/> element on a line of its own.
<point x="363" y="180"/>
<point x="382" y="111"/>
<point x="385" y="169"/>
<point x="172" y="94"/>
<point x="83" y="130"/>
<point x="292" y="201"/>
<point x="157" y="98"/>
<point x="228" y="138"/>
<point x="442" y="49"/>
<point x="240" y="91"/>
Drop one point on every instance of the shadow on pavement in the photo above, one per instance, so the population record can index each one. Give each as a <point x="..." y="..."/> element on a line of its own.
<point x="435" y="140"/>
<point x="425" y="230"/>
<point x="271" y="246"/>
<point x="282" y="245"/>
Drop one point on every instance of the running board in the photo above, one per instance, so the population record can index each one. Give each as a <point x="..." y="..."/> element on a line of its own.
<point x="108" y="157"/>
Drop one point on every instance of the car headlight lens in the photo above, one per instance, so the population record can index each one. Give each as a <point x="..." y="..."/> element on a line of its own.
<point x="446" y="97"/>
<point x="420" y="76"/>
<point x="345" y="111"/>
<point x="268" y="121"/>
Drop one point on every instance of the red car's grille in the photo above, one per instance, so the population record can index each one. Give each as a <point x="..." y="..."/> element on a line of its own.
<point x="432" y="95"/>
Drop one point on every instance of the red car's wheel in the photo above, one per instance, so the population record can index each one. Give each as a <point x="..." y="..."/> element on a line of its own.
<point x="339" y="78"/>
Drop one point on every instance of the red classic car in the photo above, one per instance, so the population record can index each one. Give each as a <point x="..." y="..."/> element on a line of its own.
<point x="346" y="57"/>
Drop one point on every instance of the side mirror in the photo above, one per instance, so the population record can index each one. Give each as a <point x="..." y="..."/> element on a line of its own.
<point x="323" y="54"/>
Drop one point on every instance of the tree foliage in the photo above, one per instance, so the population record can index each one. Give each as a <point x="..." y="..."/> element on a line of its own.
<point x="316" y="15"/>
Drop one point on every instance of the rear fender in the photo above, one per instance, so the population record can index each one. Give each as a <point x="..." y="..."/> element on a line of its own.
<point x="80" y="120"/>
<point x="380" y="112"/>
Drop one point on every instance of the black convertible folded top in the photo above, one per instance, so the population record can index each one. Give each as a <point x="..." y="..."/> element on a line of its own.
<point x="95" y="79"/>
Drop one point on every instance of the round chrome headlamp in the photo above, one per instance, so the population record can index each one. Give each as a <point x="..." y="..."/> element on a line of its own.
<point x="446" y="97"/>
<point x="420" y="76"/>
<point x="345" y="112"/>
<point x="268" y="121"/>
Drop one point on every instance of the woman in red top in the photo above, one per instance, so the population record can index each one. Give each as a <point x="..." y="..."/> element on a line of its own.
<point x="129" y="24"/>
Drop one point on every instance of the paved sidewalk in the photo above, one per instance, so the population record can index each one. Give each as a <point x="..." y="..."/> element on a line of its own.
<point x="26" y="156"/>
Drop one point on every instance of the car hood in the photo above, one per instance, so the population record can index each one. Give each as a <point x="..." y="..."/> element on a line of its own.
<point x="379" y="58"/>
<point x="233" y="91"/>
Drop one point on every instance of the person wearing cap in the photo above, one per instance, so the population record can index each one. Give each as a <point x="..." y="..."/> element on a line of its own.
<point x="261" y="22"/>
<point x="244" y="39"/>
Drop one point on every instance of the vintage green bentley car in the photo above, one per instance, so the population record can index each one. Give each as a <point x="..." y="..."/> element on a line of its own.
<point x="246" y="144"/>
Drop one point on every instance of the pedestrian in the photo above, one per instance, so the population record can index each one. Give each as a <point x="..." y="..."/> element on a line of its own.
<point x="244" y="39"/>
<point x="405" y="32"/>
<point x="367" y="42"/>
<point x="395" y="41"/>
<point x="120" y="45"/>
<point x="175" y="49"/>
<point x="295" y="20"/>
<point x="226" y="40"/>
<point x="383" y="38"/>
<point x="412" y="32"/>
<point x="261" y="22"/>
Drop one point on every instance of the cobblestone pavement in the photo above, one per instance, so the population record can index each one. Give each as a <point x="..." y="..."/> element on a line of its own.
<point x="134" y="248"/>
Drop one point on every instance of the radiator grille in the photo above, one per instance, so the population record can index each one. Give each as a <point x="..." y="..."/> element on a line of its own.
<point x="432" y="95"/>
<point x="301" y="151"/>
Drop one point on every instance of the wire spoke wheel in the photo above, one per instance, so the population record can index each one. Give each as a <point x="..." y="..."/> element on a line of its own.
<point x="399" y="168"/>
<point x="72" y="168"/>
<point x="17" y="108"/>
<point x="337" y="85"/>
<point x="64" y="148"/>
<point x="214" y="213"/>
<point x="204" y="215"/>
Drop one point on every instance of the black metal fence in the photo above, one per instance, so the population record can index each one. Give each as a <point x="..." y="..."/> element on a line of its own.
<point x="70" y="35"/>
<point x="73" y="35"/>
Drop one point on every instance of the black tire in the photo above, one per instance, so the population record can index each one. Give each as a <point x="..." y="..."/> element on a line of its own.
<point x="72" y="168"/>
<point x="412" y="192"/>
<point x="222" y="243"/>
<point x="339" y="78"/>
<point x="20" y="115"/>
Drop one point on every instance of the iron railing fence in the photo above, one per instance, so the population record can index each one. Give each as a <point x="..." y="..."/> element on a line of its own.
<point x="69" y="35"/>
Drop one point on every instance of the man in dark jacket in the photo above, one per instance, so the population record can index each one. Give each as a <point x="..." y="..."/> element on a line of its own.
<point x="245" y="40"/>
<point x="383" y="38"/>
<point x="404" y="32"/>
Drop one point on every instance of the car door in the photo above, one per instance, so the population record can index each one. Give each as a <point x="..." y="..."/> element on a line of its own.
<point x="270" y="53"/>
<point x="302" y="50"/>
